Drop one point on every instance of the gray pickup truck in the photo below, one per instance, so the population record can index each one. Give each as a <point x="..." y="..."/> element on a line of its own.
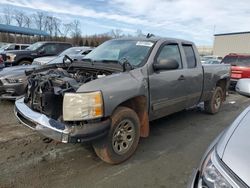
<point x="122" y="85"/>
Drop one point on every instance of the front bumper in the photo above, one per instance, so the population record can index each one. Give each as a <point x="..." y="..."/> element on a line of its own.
<point x="2" y="66"/>
<point x="12" y="91"/>
<point x="57" y="130"/>
<point x="193" y="182"/>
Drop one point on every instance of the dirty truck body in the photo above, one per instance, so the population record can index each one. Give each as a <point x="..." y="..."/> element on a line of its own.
<point x="111" y="103"/>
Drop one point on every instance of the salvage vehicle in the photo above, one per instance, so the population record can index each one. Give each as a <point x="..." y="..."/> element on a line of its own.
<point x="226" y="161"/>
<point x="13" y="80"/>
<point x="38" y="49"/>
<point x="240" y="66"/>
<point x="121" y="86"/>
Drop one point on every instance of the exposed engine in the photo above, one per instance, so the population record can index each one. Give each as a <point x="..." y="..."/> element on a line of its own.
<point x="45" y="89"/>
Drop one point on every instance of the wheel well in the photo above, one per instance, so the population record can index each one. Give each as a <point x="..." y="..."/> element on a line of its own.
<point x="25" y="59"/>
<point x="223" y="84"/>
<point x="139" y="105"/>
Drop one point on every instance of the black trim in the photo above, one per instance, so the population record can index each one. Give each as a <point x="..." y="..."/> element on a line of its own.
<point x="236" y="33"/>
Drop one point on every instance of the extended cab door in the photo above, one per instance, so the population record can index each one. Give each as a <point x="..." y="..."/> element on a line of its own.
<point x="168" y="87"/>
<point x="193" y="75"/>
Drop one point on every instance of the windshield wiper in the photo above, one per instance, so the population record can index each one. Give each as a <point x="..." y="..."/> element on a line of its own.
<point x="124" y="63"/>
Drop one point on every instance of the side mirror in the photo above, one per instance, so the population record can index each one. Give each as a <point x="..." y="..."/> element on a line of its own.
<point x="166" y="64"/>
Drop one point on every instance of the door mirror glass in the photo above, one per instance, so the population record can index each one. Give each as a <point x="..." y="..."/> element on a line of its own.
<point x="166" y="64"/>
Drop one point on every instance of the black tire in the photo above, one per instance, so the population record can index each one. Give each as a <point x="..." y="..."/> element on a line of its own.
<point x="213" y="105"/>
<point x="107" y="148"/>
<point x="24" y="62"/>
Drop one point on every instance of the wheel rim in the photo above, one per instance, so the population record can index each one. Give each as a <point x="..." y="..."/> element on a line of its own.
<point x="217" y="101"/>
<point x="123" y="137"/>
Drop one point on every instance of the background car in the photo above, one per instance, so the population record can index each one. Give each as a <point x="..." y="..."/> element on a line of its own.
<point x="243" y="86"/>
<point x="240" y="66"/>
<point x="226" y="162"/>
<point x="38" y="49"/>
<point x="76" y="53"/>
<point x="13" y="80"/>
<point x="209" y="57"/>
<point x="212" y="61"/>
<point x="8" y="47"/>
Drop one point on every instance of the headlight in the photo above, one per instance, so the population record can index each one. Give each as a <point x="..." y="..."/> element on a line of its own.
<point x="212" y="175"/>
<point x="10" y="57"/>
<point x="82" y="106"/>
<point x="14" y="81"/>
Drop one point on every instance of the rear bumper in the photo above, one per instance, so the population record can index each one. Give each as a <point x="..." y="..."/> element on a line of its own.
<point x="57" y="130"/>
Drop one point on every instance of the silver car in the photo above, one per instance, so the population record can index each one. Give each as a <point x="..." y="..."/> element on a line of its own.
<point x="226" y="162"/>
<point x="13" y="80"/>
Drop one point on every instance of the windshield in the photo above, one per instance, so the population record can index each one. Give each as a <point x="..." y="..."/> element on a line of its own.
<point x="71" y="51"/>
<point x="134" y="51"/>
<point x="34" y="46"/>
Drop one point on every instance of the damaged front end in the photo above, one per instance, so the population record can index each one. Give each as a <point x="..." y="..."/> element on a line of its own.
<point x="53" y="107"/>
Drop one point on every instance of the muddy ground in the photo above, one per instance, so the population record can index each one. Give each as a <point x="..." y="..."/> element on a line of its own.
<point x="165" y="159"/>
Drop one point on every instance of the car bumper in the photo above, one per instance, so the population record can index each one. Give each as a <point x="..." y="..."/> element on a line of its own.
<point x="12" y="91"/>
<point x="2" y="66"/>
<point x="57" y="130"/>
<point x="193" y="182"/>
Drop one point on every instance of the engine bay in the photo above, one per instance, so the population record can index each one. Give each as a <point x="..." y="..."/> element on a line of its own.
<point x="46" y="88"/>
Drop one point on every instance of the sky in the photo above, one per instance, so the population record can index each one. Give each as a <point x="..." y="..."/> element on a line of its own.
<point x="192" y="20"/>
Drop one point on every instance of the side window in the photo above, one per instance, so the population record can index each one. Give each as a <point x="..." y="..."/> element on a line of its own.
<point x="190" y="56"/>
<point x="86" y="52"/>
<point x="170" y="51"/>
<point x="50" y="49"/>
<point x="23" y="47"/>
<point x="17" y="47"/>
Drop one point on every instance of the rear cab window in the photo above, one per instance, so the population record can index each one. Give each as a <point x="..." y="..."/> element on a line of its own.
<point x="190" y="56"/>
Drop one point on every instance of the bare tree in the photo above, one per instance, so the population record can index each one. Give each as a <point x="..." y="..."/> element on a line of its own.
<point x="48" y="25"/>
<point x="65" y="30"/>
<point x="56" y="23"/>
<point x="39" y="18"/>
<point x="139" y="33"/>
<point x="116" y="33"/>
<point x="76" y="31"/>
<point x="27" y="21"/>
<point x="19" y="16"/>
<point x="8" y="15"/>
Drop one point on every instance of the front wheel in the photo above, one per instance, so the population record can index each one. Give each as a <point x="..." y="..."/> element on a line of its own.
<point x="213" y="105"/>
<point x="122" y="139"/>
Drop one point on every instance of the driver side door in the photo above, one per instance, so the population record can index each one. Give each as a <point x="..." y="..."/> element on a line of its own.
<point x="167" y="87"/>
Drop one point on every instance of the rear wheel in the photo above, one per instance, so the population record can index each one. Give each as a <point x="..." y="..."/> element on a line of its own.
<point x="25" y="62"/>
<point x="213" y="105"/>
<point x="122" y="139"/>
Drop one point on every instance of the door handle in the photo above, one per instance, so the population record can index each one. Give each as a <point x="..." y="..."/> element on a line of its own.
<point x="181" y="77"/>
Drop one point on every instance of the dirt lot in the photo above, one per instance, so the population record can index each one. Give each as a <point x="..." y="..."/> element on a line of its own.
<point x="165" y="159"/>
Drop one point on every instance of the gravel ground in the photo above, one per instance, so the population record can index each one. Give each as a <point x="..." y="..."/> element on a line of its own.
<point x="165" y="159"/>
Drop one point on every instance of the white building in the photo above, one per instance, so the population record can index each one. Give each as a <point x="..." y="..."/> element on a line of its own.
<point x="231" y="43"/>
